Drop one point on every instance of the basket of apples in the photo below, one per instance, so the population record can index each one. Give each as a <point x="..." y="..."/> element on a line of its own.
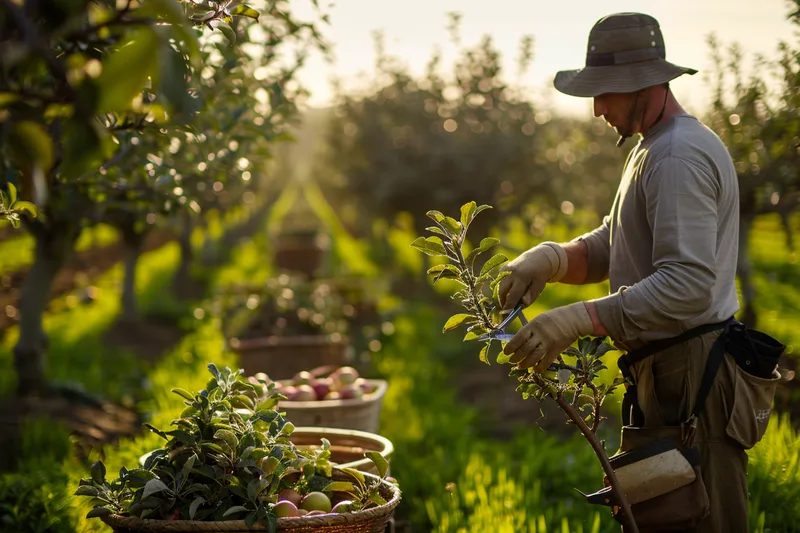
<point x="332" y="397"/>
<point x="228" y="464"/>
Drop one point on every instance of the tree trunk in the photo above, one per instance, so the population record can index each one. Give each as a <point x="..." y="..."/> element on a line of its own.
<point x="744" y="269"/>
<point x="55" y="241"/>
<point x="134" y="240"/>
<point x="182" y="281"/>
<point x="787" y="227"/>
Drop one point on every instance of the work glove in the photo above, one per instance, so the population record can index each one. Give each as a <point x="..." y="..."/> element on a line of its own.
<point x="539" y="342"/>
<point x="530" y="272"/>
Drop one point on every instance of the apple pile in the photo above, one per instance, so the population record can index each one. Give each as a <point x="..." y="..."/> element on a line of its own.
<point x="291" y="503"/>
<point x="344" y="383"/>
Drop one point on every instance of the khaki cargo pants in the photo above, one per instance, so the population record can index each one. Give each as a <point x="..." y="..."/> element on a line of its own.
<point x="667" y="385"/>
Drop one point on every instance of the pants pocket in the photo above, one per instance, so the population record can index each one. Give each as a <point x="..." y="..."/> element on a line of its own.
<point x="752" y="406"/>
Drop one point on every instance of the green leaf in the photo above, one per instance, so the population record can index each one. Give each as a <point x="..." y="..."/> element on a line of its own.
<point x="235" y="509"/>
<point x="444" y="271"/>
<point x="355" y="474"/>
<point x="31" y="146"/>
<point x="197" y="502"/>
<point x="172" y="73"/>
<point x="502" y="358"/>
<point x="485" y="245"/>
<point x="454" y="321"/>
<point x="493" y="262"/>
<point x="468" y="213"/>
<point x="603" y="349"/>
<point x="484" y="355"/>
<point x="480" y="209"/>
<point x="87" y="490"/>
<point x="380" y="462"/>
<point x="152" y="487"/>
<point x="228" y="437"/>
<point x="156" y="431"/>
<point x="99" y="472"/>
<point x="98" y="512"/>
<point x="472" y="335"/>
<point x="87" y="145"/>
<point x="244" y="10"/>
<point x="227" y="31"/>
<point x="119" y="82"/>
<point x="8" y="98"/>
<point x="26" y="207"/>
<point x="453" y="225"/>
<point x="438" y="231"/>
<point x="183" y="393"/>
<point x="339" y="486"/>
<point x="437" y="216"/>
<point x="430" y="246"/>
<point x="12" y="194"/>
<point x="377" y="498"/>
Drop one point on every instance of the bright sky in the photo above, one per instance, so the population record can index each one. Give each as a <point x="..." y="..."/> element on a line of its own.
<point x="413" y="28"/>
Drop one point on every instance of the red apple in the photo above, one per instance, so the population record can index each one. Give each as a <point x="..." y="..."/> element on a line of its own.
<point x="285" y="509"/>
<point x="290" y="391"/>
<point x="365" y="386"/>
<point x="345" y="375"/>
<point x="303" y="378"/>
<point x="350" y="392"/>
<point x="305" y="393"/>
<point x="343" y="506"/>
<point x="322" y="387"/>
<point x="290" y="495"/>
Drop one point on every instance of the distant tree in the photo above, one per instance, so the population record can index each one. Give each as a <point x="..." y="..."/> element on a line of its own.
<point x="80" y="83"/>
<point x="759" y="121"/>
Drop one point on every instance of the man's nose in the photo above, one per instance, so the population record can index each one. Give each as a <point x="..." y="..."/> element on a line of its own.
<point x="599" y="108"/>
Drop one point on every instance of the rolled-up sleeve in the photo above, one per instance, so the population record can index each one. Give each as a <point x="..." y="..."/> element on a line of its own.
<point x="598" y="245"/>
<point x="681" y="201"/>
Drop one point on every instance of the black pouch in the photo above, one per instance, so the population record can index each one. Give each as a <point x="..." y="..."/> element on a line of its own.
<point x="755" y="352"/>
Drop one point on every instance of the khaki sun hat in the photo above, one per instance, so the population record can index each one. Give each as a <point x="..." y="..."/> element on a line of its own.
<point x="625" y="54"/>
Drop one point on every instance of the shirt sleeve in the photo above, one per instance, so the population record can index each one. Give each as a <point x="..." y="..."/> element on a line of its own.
<point x="598" y="244"/>
<point x="681" y="204"/>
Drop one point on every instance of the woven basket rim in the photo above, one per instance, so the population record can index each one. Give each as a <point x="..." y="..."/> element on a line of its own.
<point x="370" y="398"/>
<point x="288" y="340"/>
<point x="133" y="523"/>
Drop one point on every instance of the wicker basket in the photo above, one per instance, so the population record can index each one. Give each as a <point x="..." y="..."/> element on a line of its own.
<point x="362" y="413"/>
<point x="372" y="520"/>
<point x="347" y="446"/>
<point x="283" y="357"/>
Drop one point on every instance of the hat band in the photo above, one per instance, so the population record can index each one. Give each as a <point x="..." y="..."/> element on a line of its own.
<point x="627" y="56"/>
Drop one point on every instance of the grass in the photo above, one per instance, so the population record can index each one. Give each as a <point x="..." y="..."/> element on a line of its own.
<point x="18" y="251"/>
<point x="454" y="480"/>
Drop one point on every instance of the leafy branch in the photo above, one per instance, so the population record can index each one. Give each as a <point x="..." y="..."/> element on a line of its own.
<point x="572" y="381"/>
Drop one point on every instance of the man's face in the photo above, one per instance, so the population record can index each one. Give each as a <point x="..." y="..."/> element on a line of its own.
<point x="617" y="110"/>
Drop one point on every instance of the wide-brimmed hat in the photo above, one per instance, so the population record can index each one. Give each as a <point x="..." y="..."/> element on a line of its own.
<point x="625" y="53"/>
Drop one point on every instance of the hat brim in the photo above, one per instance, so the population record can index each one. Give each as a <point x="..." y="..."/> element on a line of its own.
<point x="589" y="82"/>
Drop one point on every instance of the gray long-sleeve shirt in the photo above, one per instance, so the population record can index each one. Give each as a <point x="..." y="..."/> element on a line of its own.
<point x="670" y="243"/>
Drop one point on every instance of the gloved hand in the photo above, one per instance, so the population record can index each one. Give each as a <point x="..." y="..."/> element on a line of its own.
<point x="530" y="272"/>
<point x="539" y="342"/>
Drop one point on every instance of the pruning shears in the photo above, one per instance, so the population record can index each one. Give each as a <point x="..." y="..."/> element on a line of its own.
<point x="499" y="334"/>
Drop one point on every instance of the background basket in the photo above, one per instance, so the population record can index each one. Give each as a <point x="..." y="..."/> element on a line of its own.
<point x="362" y="413"/>
<point x="283" y="357"/>
<point x="347" y="446"/>
<point x="372" y="520"/>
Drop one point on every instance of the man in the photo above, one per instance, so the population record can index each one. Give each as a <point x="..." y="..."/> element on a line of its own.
<point x="669" y="249"/>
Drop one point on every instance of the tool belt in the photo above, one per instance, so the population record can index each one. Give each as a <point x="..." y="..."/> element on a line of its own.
<point x="658" y="467"/>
